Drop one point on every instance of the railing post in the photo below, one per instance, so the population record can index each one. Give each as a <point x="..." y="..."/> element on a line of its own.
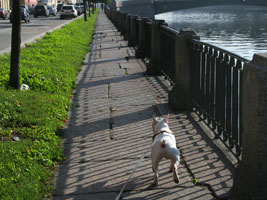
<point x="140" y="52"/>
<point x="153" y="67"/>
<point x="251" y="174"/>
<point x="120" y="21"/>
<point x="124" y="17"/>
<point x="132" y="38"/>
<point x="128" y="27"/>
<point x="117" y="19"/>
<point x="113" y="14"/>
<point x="118" y="14"/>
<point x="109" y="13"/>
<point x="179" y="96"/>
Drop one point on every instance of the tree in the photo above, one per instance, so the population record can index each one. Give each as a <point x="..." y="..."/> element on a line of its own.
<point x="14" y="79"/>
<point x="84" y="11"/>
<point x="93" y="7"/>
<point x="89" y="12"/>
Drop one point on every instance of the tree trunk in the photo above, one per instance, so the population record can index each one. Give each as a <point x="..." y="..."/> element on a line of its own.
<point x="84" y="11"/>
<point x="15" y="46"/>
<point x="93" y="8"/>
<point x="89" y="12"/>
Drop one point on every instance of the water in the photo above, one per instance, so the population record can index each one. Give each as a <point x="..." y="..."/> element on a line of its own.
<point x="239" y="29"/>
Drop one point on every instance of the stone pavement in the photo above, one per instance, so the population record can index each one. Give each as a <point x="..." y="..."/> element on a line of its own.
<point x="110" y="130"/>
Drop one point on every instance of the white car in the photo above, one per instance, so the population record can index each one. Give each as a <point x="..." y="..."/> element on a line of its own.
<point x="68" y="11"/>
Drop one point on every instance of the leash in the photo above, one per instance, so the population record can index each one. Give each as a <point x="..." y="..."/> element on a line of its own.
<point x="133" y="171"/>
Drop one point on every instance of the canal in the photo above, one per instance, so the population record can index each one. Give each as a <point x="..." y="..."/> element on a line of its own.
<point x="238" y="29"/>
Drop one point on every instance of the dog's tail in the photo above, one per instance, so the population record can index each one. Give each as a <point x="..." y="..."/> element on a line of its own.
<point x="162" y="143"/>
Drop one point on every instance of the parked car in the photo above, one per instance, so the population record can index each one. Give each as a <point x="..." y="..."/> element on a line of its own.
<point x="79" y="10"/>
<point x="4" y="14"/>
<point x="41" y="10"/>
<point x="82" y="5"/>
<point x="52" y="10"/>
<point x="31" y="10"/>
<point x="68" y="11"/>
<point x="26" y="7"/>
<point x="82" y="8"/>
<point x="24" y="14"/>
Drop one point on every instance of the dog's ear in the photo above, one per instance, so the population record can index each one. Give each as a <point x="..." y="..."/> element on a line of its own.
<point x="166" y="118"/>
<point x="154" y="119"/>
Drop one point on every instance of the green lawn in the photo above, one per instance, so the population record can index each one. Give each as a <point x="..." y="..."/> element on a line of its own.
<point x="37" y="116"/>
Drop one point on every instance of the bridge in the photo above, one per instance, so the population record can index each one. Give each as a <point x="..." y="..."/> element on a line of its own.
<point x="149" y="8"/>
<point x="162" y="6"/>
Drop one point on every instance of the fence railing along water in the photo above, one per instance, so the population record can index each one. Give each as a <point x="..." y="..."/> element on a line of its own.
<point x="215" y="79"/>
<point x="167" y="42"/>
<point x="216" y="91"/>
<point x="148" y="33"/>
<point x="226" y="91"/>
<point x="137" y="25"/>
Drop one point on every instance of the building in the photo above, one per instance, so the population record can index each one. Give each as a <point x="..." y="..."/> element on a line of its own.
<point x="48" y="2"/>
<point x="5" y="4"/>
<point x="31" y="3"/>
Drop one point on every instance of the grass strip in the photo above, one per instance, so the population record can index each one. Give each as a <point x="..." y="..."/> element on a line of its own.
<point x="50" y="67"/>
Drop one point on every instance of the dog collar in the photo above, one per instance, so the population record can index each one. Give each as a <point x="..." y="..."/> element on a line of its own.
<point x="156" y="134"/>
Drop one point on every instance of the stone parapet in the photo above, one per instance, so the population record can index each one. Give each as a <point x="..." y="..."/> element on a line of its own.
<point x="153" y="67"/>
<point x="251" y="174"/>
<point x="140" y="52"/>
<point x="179" y="96"/>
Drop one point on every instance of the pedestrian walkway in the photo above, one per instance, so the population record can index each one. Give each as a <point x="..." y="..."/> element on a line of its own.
<point x="110" y="130"/>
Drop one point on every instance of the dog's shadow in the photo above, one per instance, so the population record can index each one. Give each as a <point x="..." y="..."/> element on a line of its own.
<point x="151" y="187"/>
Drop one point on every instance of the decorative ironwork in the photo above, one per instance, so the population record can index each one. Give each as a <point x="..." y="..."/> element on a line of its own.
<point x="148" y="32"/>
<point x="167" y="57"/>
<point x="216" y="91"/>
<point x="137" y="25"/>
<point x="216" y="81"/>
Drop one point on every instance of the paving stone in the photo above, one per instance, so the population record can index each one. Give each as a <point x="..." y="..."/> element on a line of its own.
<point x="110" y="176"/>
<point x="78" y="133"/>
<point x="107" y="148"/>
<point x="88" y="196"/>
<point x="184" y="193"/>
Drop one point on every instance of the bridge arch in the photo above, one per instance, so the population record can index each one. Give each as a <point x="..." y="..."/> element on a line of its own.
<point x="149" y="8"/>
<point x="162" y="6"/>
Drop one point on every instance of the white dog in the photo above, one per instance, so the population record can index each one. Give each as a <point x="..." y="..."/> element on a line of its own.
<point x="164" y="146"/>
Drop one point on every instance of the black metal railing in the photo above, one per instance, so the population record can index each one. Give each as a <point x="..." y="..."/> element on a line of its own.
<point x="216" y="77"/>
<point x="148" y="30"/>
<point x="167" y="57"/>
<point x="129" y="27"/>
<point x="216" y="91"/>
<point x="124" y="24"/>
<point x="137" y="25"/>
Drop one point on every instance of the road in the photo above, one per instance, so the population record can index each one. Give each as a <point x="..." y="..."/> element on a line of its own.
<point x="29" y="31"/>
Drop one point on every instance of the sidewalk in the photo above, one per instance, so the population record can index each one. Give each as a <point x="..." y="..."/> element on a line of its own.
<point x="110" y="130"/>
